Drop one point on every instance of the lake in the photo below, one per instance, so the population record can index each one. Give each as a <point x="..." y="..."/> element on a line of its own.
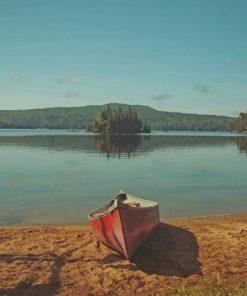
<point x="56" y="176"/>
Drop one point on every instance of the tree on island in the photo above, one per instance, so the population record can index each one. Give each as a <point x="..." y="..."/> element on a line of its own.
<point x="240" y="124"/>
<point x="119" y="121"/>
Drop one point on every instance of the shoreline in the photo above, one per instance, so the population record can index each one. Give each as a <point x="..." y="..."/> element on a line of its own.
<point x="190" y="254"/>
<point x="87" y="223"/>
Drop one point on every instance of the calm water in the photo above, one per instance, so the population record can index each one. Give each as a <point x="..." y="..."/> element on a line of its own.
<point x="58" y="176"/>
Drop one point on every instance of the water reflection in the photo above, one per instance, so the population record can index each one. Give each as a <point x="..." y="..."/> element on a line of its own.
<point x="116" y="145"/>
<point x="242" y="144"/>
<point x="124" y="145"/>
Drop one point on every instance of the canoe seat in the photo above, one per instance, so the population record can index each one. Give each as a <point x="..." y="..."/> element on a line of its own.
<point x="133" y="204"/>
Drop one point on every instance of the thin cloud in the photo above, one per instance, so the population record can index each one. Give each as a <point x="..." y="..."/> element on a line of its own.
<point x="161" y="97"/>
<point x="204" y="88"/>
<point x="73" y="79"/>
<point x="18" y="77"/>
<point x="71" y="94"/>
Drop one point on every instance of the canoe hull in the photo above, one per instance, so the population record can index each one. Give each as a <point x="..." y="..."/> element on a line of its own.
<point x="125" y="228"/>
<point x="138" y="225"/>
<point x="108" y="230"/>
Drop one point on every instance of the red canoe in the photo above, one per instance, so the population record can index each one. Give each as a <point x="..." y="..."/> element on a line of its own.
<point x="125" y="223"/>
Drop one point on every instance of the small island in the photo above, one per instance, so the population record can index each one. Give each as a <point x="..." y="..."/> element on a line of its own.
<point x="240" y="124"/>
<point x="119" y="121"/>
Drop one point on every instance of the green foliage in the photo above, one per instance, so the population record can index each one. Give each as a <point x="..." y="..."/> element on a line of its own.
<point x="240" y="124"/>
<point x="118" y="121"/>
<point x="81" y="117"/>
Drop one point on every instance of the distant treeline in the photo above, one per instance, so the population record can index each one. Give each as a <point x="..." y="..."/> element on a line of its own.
<point x="120" y="120"/>
<point x="82" y="117"/>
<point x="240" y="124"/>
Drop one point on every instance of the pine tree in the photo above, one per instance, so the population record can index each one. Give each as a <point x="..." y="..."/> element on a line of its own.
<point x="118" y="121"/>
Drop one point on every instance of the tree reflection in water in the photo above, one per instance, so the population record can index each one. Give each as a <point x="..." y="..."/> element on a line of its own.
<point x="122" y="145"/>
<point x="118" y="145"/>
<point x="242" y="144"/>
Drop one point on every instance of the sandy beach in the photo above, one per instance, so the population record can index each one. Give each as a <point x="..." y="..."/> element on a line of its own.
<point x="183" y="257"/>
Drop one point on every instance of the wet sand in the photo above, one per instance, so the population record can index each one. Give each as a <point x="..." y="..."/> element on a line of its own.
<point x="65" y="260"/>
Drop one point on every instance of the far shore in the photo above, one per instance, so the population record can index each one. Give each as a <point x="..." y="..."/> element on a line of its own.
<point x="184" y="256"/>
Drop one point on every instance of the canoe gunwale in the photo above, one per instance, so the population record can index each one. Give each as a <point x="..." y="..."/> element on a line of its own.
<point x="115" y="203"/>
<point x="103" y="214"/>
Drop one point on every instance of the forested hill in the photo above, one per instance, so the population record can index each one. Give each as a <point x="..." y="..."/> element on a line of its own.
<point x="82" y="117"/>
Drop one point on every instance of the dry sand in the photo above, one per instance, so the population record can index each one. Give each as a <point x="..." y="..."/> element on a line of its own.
<point x="65" y="260"/>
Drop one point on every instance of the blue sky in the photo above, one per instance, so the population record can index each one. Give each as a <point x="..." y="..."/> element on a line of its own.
<point x="174" y="55"/>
